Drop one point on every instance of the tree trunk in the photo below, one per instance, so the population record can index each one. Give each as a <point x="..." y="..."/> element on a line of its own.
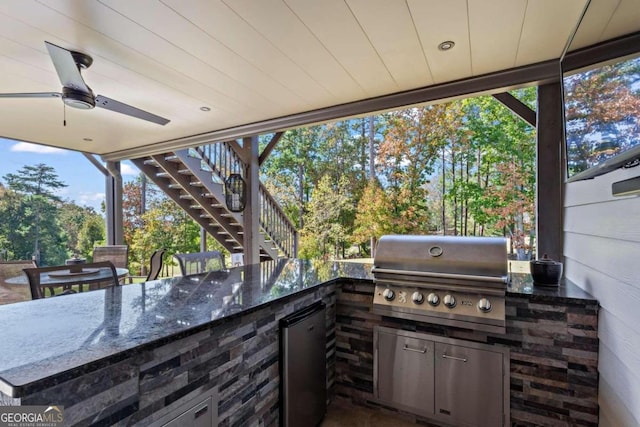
<point x="301" y="196"/>
<point x="444" y="188"/>
<point x="372" y="171"/>
<point x="455" y="194"/>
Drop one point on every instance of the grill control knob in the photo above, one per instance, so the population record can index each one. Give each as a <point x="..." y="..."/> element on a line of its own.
<point x="433" y="299"/>
<point x="449" y="301"/>
<point x="484" y="305"/>
<point x="388" y="294"/>
<point x="417" y="298"/>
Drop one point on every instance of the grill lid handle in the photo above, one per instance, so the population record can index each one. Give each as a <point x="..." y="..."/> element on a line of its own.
<point x="492" y="279"/>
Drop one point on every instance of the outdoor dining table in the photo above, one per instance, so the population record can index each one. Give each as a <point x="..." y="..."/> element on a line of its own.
<point x="68" y="278"/>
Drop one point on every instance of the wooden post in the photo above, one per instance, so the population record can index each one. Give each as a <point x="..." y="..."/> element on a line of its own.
<point x="550" y="172"/>
<point x="251" y="214"/>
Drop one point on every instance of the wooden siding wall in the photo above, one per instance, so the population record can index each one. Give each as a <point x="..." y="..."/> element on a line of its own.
<point x="602" y="255"/>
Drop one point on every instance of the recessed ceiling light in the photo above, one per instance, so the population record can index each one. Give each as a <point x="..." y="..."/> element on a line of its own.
<point x="87" y="139"/>
<point x="446" y="45"/>
<point x="205" y="108"/>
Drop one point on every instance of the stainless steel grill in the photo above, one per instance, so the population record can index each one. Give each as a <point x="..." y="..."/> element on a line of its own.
<point x="450" y="280"/>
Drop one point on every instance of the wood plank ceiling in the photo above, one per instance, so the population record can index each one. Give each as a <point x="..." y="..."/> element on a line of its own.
<point x="254" y="60"/>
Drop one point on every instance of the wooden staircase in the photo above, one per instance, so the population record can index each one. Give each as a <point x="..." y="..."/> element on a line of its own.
<point x="194" y="179"/>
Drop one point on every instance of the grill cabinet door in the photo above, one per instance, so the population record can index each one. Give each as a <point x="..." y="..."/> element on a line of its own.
<point x="470" y="385"/>
<point x="405" y="372"/>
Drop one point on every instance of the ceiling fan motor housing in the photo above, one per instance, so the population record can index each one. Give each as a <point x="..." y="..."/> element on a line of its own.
<point x="78" y="99"/>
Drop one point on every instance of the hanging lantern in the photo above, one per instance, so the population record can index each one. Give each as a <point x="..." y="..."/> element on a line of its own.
<point x="235" y="191"/>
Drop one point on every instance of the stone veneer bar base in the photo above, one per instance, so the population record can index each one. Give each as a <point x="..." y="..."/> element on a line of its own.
<point x="553" y="345"/>
<point x="240" y="356"/>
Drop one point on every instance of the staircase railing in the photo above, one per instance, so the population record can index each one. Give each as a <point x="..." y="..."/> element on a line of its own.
<point x="276" y="224"/>
<point x="222" y="160"/>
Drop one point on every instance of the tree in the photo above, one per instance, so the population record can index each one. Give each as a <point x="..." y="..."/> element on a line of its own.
<point x="406" y="159"/>
<point x="91" y="234"/>
<point x="325" y="230"/>
<point x="13" y="228"/>
<point x="504" y="188"/>
<point x="602" y="108"/>
<point x="38" y="185"/>
<point x="73" y="220"/>
<point x="373" y="215"/>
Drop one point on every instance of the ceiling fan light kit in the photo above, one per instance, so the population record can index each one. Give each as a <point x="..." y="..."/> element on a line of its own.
<point x="76" y="93"/>
<point x="78" y="99"/>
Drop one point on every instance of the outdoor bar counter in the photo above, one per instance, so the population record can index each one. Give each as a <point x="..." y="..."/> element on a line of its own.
<point x="135" y="353"/>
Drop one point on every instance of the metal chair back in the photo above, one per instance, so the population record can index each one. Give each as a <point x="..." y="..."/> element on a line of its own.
<point x="200" y="262"/>
<point x="155" y="264"/>
<point x="37" y="285"/>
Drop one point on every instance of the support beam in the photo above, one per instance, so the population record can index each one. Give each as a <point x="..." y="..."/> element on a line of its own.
<point x="518" y="107"/>
<point x="113" y="186"/>
<point x="96" y="163"/>
<point x="550" y="172"/>
<point x="270" y="146"/>
<point x="113" y="199"/>
<point x="239" y="150"/>
<point x="605" y="51"/>
<point x="251" y="214"/>
<point x="203" y="239"/>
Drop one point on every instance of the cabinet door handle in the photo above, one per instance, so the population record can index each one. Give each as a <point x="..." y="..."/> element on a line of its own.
<point x="200" y="412"/>
<point x="461" y="359"/>
<point x="417" y="350"/>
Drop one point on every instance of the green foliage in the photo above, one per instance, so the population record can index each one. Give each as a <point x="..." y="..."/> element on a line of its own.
<point x="92" y="233"/>
<point x="326" y="223"/>
<point x="82" y="227"/>
<point x="30" y="210"/>
<point x="373" y="214"/>
<point x="602" y="113"/>
<point x="463" y="167"/>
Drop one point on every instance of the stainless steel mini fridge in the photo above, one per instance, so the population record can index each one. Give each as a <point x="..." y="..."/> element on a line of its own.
<point x="303" y="367"/>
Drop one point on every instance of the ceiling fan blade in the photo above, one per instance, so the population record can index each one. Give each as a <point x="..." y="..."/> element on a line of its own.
<point x="31" y="95"/>
<point x="66" y="68"/>
<point x="119" y="107"/>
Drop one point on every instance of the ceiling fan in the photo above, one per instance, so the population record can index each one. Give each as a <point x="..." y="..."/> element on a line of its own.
<point x="76" y="93"/>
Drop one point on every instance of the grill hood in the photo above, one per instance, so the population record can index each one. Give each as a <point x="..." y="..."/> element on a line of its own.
<point x="442" y="259"/>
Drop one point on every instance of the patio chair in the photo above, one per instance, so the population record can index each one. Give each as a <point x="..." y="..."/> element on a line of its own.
<point x="10" y="293"/>
<point x="95" y="276"/>
<point x="117" y="254"/>
<point x="155" y="266"/>
<point x="200" y="262"/>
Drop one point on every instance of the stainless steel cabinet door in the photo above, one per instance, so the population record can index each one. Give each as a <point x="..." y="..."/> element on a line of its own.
<point x="201" y="415"/>
<point x="405" y="372"/>
<point x="470" y="385"/>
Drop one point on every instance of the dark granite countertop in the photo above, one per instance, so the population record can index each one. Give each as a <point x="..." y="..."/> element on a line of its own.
<point x="522" y="285"/>
<point x="53" y="336"/>
<point x="49" y="340"/>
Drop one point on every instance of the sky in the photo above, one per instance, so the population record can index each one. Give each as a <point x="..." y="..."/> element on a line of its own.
<point x="85" y="183"/>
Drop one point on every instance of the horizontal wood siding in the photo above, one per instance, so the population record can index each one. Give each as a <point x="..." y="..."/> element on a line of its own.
<point x="602" y="255"/>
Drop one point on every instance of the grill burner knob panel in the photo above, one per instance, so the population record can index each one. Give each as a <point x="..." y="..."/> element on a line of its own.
<point x="484" y="305"/>
<point x="417" y="298"/>
<point x="433" y="299"/>
<point x="388" y="294"/>
<point x="449" y="301"/>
